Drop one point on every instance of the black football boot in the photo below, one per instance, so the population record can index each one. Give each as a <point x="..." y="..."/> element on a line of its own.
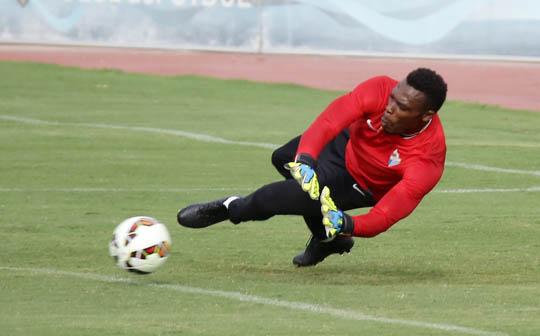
<point x="204" y="214"/>
<point x="316" y="251"/>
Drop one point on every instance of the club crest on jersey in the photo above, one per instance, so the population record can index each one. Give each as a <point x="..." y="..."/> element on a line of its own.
<point x="394" y="159"/>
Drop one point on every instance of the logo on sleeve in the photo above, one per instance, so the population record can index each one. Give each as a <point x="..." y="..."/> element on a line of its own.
<point x="394" y="159"/>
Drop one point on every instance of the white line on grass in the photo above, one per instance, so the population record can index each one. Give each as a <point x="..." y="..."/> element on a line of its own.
<point x="233" y="189"/>
<point x="190" y="135"/>
<point x="121" y="190"/>
<point x="493" y="169"/>
<point x="492" y="144"/>
<point x="486" y="190"/>
<point x="209" y="138"/>
<point x="294" y="305"/>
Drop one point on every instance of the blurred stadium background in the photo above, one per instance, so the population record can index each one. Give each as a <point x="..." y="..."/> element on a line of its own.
<point x="437" y="28"/>
<point x="84" y="149"/>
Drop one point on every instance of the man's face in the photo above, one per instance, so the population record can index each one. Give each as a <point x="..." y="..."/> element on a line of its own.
<point x="405" y="111"/>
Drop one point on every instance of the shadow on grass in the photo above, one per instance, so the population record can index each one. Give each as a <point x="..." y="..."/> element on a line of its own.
<point x="344" y="274"/>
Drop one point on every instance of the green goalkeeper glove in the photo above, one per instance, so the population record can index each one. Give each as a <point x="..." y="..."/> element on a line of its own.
<point x="335" y="221"/>
<point x="303" y="172"/>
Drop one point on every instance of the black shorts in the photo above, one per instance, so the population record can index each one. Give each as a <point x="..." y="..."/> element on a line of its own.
<point x="331" y="171"/>
<point x="287" y="197"/>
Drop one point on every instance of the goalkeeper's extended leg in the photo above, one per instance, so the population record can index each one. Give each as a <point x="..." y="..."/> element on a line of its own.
<point x="206" y="214"/>
<point x="202" y="215"/>
<point x="278" y="198"/>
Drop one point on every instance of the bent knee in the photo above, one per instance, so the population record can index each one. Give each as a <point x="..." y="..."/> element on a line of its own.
<point x="280" y="158"/>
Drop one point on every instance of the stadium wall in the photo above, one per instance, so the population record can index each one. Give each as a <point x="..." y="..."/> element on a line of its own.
<point x="435" y="28"/>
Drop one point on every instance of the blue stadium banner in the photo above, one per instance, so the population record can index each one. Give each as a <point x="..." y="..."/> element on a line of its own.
<point x="416" y="27"/>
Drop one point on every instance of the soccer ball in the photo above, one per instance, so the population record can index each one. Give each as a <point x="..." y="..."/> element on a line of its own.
<point x="140" y="244"/>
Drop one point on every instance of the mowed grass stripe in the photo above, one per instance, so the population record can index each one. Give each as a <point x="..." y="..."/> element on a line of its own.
<point x="201" y="189"/>
<point x="303" y="306"/>
<point x="467" y="256"/>
<point x="214" y="139"/>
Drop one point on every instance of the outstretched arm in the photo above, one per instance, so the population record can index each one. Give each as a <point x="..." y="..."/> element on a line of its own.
<point x="397" y="204"/>
<point x="400" y="201"/>
<point x="367" y="97"/>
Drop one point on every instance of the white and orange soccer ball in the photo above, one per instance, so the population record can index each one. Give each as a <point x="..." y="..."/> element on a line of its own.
<point x="140" y="244"/>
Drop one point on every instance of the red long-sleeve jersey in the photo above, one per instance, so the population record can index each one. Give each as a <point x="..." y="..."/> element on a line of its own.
<point x="399" y="171"/>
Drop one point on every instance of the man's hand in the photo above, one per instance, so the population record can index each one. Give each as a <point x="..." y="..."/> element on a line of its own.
<point x="302" y="171"/>
<point x="334" y="220"/>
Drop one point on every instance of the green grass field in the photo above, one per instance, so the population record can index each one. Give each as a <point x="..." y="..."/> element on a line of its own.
<point x="82" y="150"/>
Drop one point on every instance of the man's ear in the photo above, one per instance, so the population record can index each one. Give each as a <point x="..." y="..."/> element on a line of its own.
<point x="428" y="115"/>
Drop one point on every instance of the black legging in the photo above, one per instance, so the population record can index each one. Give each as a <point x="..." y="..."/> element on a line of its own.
<point x="288" y="198"/>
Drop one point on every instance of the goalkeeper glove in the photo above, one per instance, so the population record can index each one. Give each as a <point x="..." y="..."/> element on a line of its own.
<point x="303" y="172"/>
<point x="335" y="221"/>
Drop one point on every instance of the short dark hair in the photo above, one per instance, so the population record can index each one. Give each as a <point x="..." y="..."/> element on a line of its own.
<point x="431" y="84"/>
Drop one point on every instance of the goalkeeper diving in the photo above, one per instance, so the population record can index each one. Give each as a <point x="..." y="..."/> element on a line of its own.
<point x="382" y="145"/>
